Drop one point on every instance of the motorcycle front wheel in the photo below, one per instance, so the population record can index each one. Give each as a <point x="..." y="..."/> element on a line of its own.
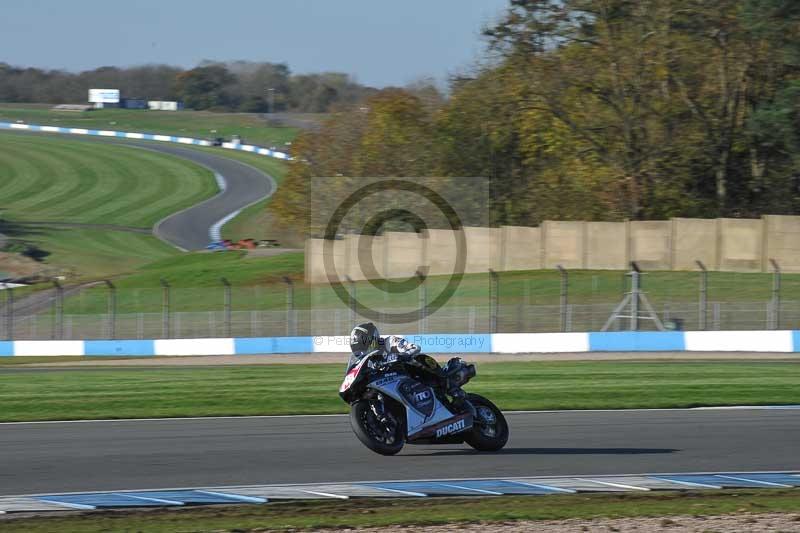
<point x="490" y="429"/>
<point x="385" y="438"/>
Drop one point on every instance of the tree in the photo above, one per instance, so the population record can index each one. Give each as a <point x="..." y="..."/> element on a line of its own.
<point x="205" y="87"/>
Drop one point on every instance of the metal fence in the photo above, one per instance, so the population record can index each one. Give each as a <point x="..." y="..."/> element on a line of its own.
<point x="500" y="302"/>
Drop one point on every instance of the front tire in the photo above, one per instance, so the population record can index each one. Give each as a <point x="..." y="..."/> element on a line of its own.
<point x="490" y="429"/>
<point x="380" y="438"/>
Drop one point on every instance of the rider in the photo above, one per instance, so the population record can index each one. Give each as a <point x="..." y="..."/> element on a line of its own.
<point x="365" y="338"/>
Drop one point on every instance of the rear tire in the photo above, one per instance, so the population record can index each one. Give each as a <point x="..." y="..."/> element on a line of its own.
<point x="366" y="426"/>
<point x="487" y="435"/>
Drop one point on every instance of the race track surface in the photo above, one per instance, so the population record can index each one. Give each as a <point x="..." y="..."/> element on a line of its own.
<point x="117" y="455"/>
<point x="244" y="185"/>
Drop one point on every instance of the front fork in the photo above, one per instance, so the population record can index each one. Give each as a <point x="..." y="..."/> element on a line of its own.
<point x="378" y="409"/>
<point x="385" y="418"/>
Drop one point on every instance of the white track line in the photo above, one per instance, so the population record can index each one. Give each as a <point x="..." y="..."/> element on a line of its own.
<point x="240" y="497"/>
<point x="609" y="484"/>
<point x="327" y="494"/>
<point x="544" y="487"/>
<point x="690" y="483"/>
<point x="768" y="483"/>
<point x="371" y="483"/>
<point x="481" y="491"/>
<point x="565" y="411"/>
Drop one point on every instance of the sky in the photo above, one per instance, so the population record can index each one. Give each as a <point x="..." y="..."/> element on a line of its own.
<point x="379" y="42"/>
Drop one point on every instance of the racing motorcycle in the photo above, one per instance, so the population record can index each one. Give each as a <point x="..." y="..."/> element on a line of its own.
<point x="394" y="403"/>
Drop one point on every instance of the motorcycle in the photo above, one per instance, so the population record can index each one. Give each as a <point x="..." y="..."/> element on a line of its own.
<point x="392" y="404"/>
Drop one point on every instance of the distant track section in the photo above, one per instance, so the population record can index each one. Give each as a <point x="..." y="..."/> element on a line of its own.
<point x="240" y="186"/>
<point x="195" y="227"/>
<point x="143" y="136"/>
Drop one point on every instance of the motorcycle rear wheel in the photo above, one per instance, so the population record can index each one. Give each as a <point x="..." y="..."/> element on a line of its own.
<point x="372" y="433"/>
<point x="487" y="435"/>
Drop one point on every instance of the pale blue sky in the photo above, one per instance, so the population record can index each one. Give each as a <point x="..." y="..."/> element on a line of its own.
<point x="380" y="42"/>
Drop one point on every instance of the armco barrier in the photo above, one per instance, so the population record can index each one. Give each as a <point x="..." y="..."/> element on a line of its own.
<point x="142" y="136"/>
<point x="622" y="341"/>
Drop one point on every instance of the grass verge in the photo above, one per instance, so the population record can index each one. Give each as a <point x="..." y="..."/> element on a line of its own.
<point x="21" y="361"/>
<point x="150" y="392"/>
<point x="52" y="179"/>
<point x="199" y="124"/>
<point x="597" y="290"/>
<point x="47" y="182"/>
<point x="419" y="512"/>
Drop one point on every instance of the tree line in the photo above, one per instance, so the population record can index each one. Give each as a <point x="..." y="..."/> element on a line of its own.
<point x="596" y="110"/>
<point x="236" y="86"/>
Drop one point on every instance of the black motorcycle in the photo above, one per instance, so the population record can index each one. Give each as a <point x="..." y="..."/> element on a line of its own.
<point x="395" y="403"/>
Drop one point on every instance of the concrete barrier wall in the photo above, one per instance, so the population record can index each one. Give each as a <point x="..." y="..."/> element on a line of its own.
<point x="619" y="341"/>
<point x="725" y="244"/>
<point x="563" y="244"/>
<point x="406" y="253"/>
<point x="741" y="245"/>
<point x="650" y="244"/>
<point x="783" y="241"/>
<point x="482" y="248"/>
<point x="695" y="239"/>
<point x="440" y="251"/>
<point x="607" y="245"/>
<point x="520" y="249"/>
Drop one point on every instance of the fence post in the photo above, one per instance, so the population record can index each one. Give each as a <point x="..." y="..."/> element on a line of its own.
<point x="226" y="305"/>
<point x="703" y="307"/>
<point x="563" y="297"/>
<point x="635" y="286"/>
<point x="165" y="329"/>
<point x="291" y="327"/>
<point x="352" y="293"/>
<point x="58" y="311"/>
<point x="776" y="294"/>
<point x="10" y="313"/>
<point x="423" y="302"/>
<point x="112" y="309"/>
<point x="494" y="288"/>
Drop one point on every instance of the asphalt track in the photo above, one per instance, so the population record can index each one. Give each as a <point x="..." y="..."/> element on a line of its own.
<point x="142" y="454"/>
<point x="244" y="185"/>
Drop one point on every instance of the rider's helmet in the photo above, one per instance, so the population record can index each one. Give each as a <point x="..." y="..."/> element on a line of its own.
<point x="364" y="338"/>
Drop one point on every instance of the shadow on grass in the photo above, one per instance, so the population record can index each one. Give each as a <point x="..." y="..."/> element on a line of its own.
<point x="557" y="451"/>
<point x="15" y="229"/>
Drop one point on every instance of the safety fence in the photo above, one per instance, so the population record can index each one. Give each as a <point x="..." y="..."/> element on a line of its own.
<point x="471" y="320"/>
<point x="143" y="136"/>
<point x="510" y="302"/>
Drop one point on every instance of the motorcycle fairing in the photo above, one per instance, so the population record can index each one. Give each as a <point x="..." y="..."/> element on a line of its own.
<point x="352" y="375"/>
<point x="424" y="411"/>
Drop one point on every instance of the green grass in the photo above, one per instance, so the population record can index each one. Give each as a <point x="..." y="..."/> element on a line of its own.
<point x="195" y="282"/>
<point x="273" y="389"/>
<point x="420" y="512"/>
<point x="198" y="124"/>
<point x="203" y="269"/>
<point x="94" y="253"/>
<point x="56" y="180"/>
<point x="63" y="180"/>
<point x="51" y="179"/>
<point x="26" y="360"/>
<point x="258" y="285"/>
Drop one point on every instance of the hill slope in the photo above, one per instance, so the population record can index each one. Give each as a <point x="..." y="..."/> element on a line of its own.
<point x="48" y="184"/>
